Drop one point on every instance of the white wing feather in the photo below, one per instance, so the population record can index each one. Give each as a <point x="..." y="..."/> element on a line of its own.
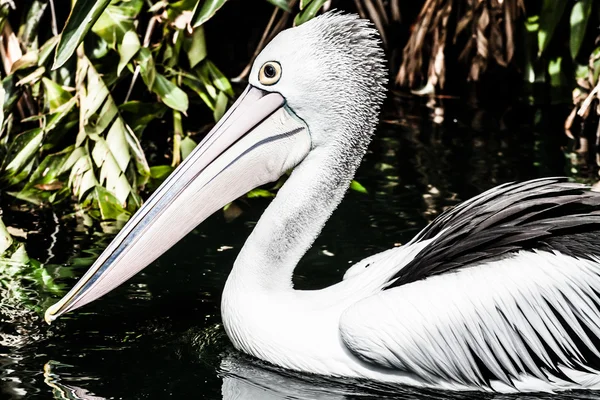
<point x="533" y="315"/>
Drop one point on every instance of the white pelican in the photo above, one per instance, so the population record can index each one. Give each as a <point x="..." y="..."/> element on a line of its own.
<point x="501" y="293"/>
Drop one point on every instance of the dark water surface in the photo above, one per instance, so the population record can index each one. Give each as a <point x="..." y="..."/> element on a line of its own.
<point x="159" y="335"/>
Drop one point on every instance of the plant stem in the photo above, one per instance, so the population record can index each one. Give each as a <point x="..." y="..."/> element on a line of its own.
<point x="53" y="13"/>
<point x="146" y="43"/>
<point x="177" y="135"/>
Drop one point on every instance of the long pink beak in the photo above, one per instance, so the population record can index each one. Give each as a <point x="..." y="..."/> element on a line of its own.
<point x="257" y="133"/>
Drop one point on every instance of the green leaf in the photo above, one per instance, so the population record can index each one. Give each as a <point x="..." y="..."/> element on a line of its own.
<point x="203" y="75"/>
<point x="56" y="96"/>
<point x="596" y="67"/>
<point x="310" y="11"/>
<point x="50" y="168"/>
<point x="116" y="139"/>
<point x="82" y="17"/>
<point x="580" y="15"/>
<point x="195" y="47"/>
<point x="160" y="171"/>
<point x="138" y="114"/>
<point x="128" y="49"/>
<point x="12" y="93"/>
<point x="46" y="50"/>
<point x="170" y="93"/>
<point x="581" y="71"/>
<point x="147" y="66"/>
<point x="117" y="20"/>
<point x="552" y="12"/>
<point x="109" y="206"/>
<point x="220" y="106"/>
<point x="197" y="86"/>
<point x="23" y="148"/>
<point x="82" y="177"/>
<point x="138" y="153"/>
<point x="204" y="10"/>
<point x="187" y="146"/>
<point x="96" y="48"/>
<point x="60" y="113"/>
<point x="5" y="239"/>
<point x="112" y="156"/>
<point x="158" y="6"/>
<point x="2" y="99"/>
<point x="96" y="96"/>
<point x="106" y="116"/>
<point x="217" y="78"/>
<point x="20" y="255"/>
<point x="180" y="6"/>
<point x="158" y="174"/>
<point x="555" y="72"/>
<point x="259" y="193"/>
<point x="44" y="181"/>
<point x="28" y="31"/>
<point x="354" y="185"/>
<point x="283" y="4"/>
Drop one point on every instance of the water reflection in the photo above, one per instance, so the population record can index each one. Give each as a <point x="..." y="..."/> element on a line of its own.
<point x="61" y="391"/>
<point x="243" y="378"/>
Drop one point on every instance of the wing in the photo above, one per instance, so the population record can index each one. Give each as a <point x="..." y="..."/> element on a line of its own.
<point x="527" y="321"/>
<point x="503" y="290"/>
<point x="545" y="214"/>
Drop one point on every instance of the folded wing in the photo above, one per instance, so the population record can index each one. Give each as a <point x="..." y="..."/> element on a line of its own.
<point x="528" y="316"/>
<point x="506" y="292"/>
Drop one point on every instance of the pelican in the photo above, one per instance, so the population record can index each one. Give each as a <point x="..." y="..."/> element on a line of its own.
<point x="501" y="293"/>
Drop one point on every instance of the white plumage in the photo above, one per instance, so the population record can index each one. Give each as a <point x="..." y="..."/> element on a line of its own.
<point x="501" y="317"/>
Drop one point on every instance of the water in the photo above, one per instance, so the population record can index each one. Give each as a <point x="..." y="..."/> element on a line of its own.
<point x="159" y="335"/>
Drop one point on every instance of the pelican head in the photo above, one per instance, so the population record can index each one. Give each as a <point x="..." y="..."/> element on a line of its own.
<point x="326" y="73"/>
<point x="330" y="71"/>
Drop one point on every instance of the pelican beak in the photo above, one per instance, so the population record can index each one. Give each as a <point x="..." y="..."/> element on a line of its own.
<point x="254" y="143"/>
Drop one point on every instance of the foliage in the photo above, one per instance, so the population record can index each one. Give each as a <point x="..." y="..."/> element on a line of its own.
<point x="484" y="31"/>
<point x="551" y="58"/>
<point x="66" y="129"/>
<point x="23" y="280"/>
<point x="586" y="96"/>
<point x="528" y="37"/>
<point x="583" y="124"/>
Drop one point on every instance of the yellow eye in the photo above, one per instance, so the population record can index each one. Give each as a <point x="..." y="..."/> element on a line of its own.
<point x="270" y="73"/>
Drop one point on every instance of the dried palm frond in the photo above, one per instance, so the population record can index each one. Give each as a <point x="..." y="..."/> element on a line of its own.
<point x="485" y="29"/>
<point x="586" y="110"/>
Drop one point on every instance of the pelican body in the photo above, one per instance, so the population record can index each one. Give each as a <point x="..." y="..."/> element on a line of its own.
<point x="501" y="293"/>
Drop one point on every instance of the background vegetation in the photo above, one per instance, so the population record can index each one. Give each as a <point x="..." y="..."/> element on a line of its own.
<point x="101" y="101"/>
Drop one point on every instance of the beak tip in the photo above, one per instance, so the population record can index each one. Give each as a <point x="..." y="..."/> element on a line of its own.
<point x="51" y="313"/>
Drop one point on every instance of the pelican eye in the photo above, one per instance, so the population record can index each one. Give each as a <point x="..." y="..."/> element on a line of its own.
<point x="270" y="73"/>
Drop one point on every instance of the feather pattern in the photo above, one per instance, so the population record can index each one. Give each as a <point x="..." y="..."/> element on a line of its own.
<point x="544" y="214"/>
<point x="524" y="322"/>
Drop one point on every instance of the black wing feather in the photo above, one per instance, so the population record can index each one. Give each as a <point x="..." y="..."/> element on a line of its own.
<point x="544" y="214"/>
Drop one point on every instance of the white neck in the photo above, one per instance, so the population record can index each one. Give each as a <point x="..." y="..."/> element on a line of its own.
<point x="292" y="222"/>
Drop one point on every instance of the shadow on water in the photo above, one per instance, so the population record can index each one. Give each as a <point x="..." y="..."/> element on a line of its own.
<point x="160" y="336"/>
